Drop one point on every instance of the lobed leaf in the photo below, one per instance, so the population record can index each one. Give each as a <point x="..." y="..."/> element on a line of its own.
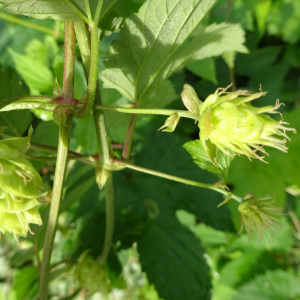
<point x="159" y="40"/>
<point x="195" y="148"/>
<point x="278" y="284"/>
<point x="67" y="10"/>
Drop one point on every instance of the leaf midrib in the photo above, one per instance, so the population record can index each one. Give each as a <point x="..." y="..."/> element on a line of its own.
<point x="149" y="49"/>
<point x="170" y="54"/>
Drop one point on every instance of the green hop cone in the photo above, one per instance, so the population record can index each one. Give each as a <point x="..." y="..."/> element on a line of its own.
<point x="259" y="216"/>
<point x="229" y="122"/>
<point x="19" y="189"/>
<point x="92" y="276"/>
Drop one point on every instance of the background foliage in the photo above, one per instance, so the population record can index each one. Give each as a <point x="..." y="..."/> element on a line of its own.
<point x="170" y="240"/>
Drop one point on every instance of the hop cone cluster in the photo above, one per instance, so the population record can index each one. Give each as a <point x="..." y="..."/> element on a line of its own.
<point x="92" y="276"/>
<point x="229" y="122"/>
<point x="19" y="189"/>
<point x="259" y="216"/>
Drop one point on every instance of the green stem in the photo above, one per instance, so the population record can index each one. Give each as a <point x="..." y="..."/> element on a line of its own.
<point x="232" y="79"/>
<point x="23" y="99"/>
<point x="25" y="23"/>
<point x="129" y="138"/>
<point x="98" y="12"/>
<point x="61" y="162"/>
<point x="83" y="40"/>
<point x="110" y="218"/>
<point x="52" y="158"/>
<point x="103" y="144"/>
<point x="88" y="9"/>
<point x="149" y="111"/>
<point x="69" y="62"/>
<point x="179" y="179"/>
<point x="47" y="148"/>
<point x="93" y="75"/>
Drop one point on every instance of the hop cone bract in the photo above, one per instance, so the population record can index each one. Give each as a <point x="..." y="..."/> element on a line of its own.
<point x="19" y="189"/>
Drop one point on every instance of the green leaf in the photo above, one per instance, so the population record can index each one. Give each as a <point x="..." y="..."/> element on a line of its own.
<point x="80" y="140"/>
<point x="18" y="142"/>
<point x="261" y="10"/>
<point x="283" y="20"/>
<point x="46" y="133"/>
<point x="114" y="12"/>
<point x="15" y="122"/>
<point x="278" y="284"/>
<point x="26" y="284"/>
<point x="36" y="75"/>
<point x="257" y="61"/>
<point x="174" y="263"/>
<point x="238" y="12"/>
<point x="195" y="148"/>
<point x="159" y="40"/>
<point x="68" y="10"/>
<point x="208" y="236"/>
<point x="246" y="266"/>
<point x="163" y="152"/>
<point x="204" y="68"/>
<point x="21" y="256"/>
<point x="229" y="58"/>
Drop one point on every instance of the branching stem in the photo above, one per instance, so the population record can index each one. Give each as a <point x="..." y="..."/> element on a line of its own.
<point x="179" y="179"/>
<point x="102" y="139"/>
<point x="129" y="138"/>
<point x="61" y="162"/>
<point x="148" y="111"/>
<point x="93" y="75"/>
<point x="69" y="62"/>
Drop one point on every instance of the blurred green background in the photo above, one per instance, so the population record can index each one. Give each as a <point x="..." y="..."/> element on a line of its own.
<point x="170" y="241"/>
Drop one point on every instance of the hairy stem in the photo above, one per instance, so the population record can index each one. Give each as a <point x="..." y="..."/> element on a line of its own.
<point x="52" y="158"/>
<point x="23" y="100"/>
<point x="232" y="79"/>
<point x="69" y="62"/>
<point x="49" y="149"/>
<point x="83" y="40"/>
<point x="98" y="12"/>
<point x="93" y="75"/>
<point x="148" y="111"/>
<point x="61" y="162"/>
<point x="110" y="218"/>
<point x="102" y="139"/>
<point x="129" y="138"/>
<point x="179" y="179"/>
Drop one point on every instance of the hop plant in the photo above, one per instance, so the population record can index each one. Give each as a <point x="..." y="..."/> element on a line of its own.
<point x="259" y="216"/>
<point x="229" y="122"/>
<point x="19" y="189"/>
<point x="91" y="275"/>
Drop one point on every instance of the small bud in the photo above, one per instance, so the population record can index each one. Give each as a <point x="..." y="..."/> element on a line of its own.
<point x="258" y="215"/>
<point x="60" y="114"/>
<point x="190" y="99"/>
<point x="171" y="123"/>
<point x="57" y="92"/>
<point x="101" y="176"/>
